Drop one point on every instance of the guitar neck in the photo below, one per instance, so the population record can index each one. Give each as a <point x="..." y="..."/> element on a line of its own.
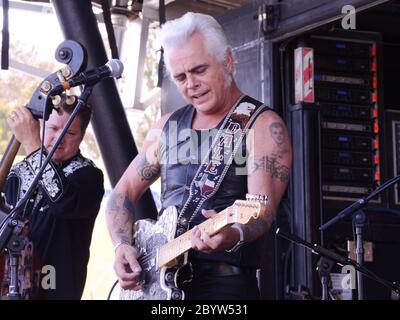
<point x="181" y="244"/>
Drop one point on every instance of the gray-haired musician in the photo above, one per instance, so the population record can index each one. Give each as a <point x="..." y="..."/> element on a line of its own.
<point x="210" y="153"/>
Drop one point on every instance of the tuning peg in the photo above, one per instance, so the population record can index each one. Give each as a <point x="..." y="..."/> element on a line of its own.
<point x="257" y="197"/>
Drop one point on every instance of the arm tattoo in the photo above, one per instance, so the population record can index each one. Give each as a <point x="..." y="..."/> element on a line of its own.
<point x="260" y="226"/>
<point x="112" y="204"/>
<point x="122" y="222"/>
<point x="255" y="230"/>
<point x="277" y="131"/>
<point x="146" y="170"/>
<point x="272" y="166"/>
<point x="279" y="135"/>
<point x="128" y="206"/>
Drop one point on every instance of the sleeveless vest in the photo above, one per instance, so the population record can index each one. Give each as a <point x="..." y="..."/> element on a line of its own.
<point x="182" y="151"/>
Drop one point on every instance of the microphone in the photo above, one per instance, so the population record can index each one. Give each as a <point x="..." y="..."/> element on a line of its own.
<point x="112" y="68"/>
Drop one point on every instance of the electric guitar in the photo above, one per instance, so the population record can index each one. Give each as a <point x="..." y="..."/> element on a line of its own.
<point x="161" y="255"/>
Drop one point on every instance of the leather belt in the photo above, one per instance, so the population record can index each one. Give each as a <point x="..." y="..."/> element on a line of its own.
<point x="219" y="269"/>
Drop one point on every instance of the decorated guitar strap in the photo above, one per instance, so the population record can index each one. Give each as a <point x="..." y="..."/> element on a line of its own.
<point x="216" y="163"/>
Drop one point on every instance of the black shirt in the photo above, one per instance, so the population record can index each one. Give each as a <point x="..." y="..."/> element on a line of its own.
<point x="61" y="215"/>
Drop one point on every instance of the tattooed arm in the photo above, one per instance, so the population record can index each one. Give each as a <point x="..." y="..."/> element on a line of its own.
<point x="268" y="174"/>
<point x="269" y="165"/>
<point x="140" y="174"/>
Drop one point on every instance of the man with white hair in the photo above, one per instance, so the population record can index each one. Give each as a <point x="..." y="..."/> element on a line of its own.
<point x="205" y="165"/>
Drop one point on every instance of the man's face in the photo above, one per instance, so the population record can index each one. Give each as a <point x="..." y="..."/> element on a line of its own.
<point x="201" y="80"/>
<point x="69" y="145"/>
<point x="277" y="133"/>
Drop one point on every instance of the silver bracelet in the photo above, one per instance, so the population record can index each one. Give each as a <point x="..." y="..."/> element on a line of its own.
<point x="119" y="244"/>
<point x="241" y="238"/>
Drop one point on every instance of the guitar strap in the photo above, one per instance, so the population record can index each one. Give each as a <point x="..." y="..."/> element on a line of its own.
<point x="217" y="161"/>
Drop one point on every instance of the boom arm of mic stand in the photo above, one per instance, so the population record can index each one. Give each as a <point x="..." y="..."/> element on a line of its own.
<point x="359" y="204"/>
<point x="338" y="259"/>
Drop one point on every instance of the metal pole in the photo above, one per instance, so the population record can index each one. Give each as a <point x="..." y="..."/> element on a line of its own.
<point x="359" y="222"/>
<point x="110" y="125"/>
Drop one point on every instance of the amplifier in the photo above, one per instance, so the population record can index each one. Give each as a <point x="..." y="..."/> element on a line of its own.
<point x="396" y="157"/>
<point x="342" y="65"/>
<point x="341" y="189"/>
<point x="325" y="79"/>
<point x="348" y="126"/>
<point x="336" y="94"/>
<point x="347" y="111"/>
<point x="363" y="176"/>
<point x="340" y="48"/>
<point x="348" y="142"/>
<point x="348" y="158"/>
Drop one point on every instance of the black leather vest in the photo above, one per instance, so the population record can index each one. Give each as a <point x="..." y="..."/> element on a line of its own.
<point x="182" y="152"/>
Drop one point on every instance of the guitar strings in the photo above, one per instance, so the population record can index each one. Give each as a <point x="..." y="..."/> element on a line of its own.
<point x="145" y="258"/>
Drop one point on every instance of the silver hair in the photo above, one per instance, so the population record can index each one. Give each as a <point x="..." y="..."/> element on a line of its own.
<point x="176" y="32"/>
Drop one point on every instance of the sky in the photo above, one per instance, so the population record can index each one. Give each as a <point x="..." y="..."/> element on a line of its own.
<point x="43" y="31"/>
<point x="36" y="28"/>
<point x="39" y="29"/>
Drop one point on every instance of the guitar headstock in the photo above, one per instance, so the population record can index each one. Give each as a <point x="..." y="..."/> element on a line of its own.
<point x="242" y="211"/>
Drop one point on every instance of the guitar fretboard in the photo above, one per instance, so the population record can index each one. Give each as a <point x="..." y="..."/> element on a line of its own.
<point x="181" y="244"/>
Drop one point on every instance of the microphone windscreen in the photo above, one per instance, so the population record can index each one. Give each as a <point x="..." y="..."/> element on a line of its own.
<point x="116" y="67"/>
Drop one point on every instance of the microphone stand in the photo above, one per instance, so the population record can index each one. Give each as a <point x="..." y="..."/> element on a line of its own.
<point x="9" y="233"/>
<point x="359" y="204"/>
<point x="342" y="261"/>
<point x="359" y="222"/>
<point x="324" y="268"/>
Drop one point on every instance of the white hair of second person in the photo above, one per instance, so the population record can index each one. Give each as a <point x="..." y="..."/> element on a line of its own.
<point x="176" y="32"/>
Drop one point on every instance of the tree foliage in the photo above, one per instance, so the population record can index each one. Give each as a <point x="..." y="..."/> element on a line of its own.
<point x="17" y="88"/>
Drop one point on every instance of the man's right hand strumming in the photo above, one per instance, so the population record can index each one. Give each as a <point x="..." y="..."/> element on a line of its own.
<point x="127" y="267"/>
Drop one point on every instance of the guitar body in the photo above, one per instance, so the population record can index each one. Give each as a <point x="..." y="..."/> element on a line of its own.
<point x="162" y="253"/>
<point x="158" y="283"/>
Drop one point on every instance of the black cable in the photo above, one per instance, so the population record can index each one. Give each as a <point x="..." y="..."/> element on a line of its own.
<point x="5" y="45"/>
<point x="42" y="137"/>
<point x="162" y="19"/>
<point x="111" y="290"/>
<point x="110" y="30"/>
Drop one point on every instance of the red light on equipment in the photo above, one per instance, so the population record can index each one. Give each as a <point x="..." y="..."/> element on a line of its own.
<point x="376" y="144"/>
<point x="374" y="97"/>
<point x="376" y="127"/>
<point x="374" y="82"/>
<point x="377" y="176"/>
<point x="373" y="67"/>
<point x="373" y="50"/>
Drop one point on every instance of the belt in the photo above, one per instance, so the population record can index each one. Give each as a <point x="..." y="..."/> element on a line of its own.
<point x="220" y="269"/>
